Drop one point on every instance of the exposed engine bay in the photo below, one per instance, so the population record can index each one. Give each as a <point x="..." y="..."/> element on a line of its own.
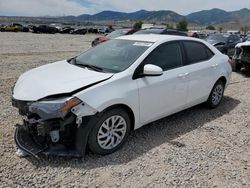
<point x="52" y="127"/>
<point x="241" y="56"/>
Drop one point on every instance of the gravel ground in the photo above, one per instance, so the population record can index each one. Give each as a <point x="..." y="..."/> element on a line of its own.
<point x="195" y="148"/>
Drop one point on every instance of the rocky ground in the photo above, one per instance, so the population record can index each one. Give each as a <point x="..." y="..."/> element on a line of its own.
<point x="195" y="148"/>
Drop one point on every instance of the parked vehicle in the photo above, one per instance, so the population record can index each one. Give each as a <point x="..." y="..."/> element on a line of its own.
<point x="10" y="27"/>
<point x="114" y="34"/>
<point x="44" y="29"/>
<point x="79" y="31"/>
<point x="66" y="30"/>
<point x="97" y="98"/>
<point x="224" y="42"/>
<point x="21" y="27"/>
<point x="241" y="58"/>
<point x="161" y="31"/>
<point x="103" y="30"/>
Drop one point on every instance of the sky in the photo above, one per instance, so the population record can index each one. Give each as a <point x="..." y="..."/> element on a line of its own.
<point x="77" y="7"/>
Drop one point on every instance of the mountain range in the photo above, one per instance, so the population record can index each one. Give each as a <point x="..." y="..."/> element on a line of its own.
<point x="213" y="16"/>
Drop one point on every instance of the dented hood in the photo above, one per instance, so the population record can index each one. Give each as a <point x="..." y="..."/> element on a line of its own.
<point x="56" y="78"/>
<point x="239" y="45"/>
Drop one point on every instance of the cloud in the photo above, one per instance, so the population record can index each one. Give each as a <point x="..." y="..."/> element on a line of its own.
<point x="77" y="7"/>
<point x="41" y="7"/>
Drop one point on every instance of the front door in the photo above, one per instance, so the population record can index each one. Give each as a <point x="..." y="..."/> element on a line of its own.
<point x="166" y="94"/>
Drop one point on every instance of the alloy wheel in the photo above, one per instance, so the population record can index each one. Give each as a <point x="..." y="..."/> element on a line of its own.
<point x="111" y="132"/>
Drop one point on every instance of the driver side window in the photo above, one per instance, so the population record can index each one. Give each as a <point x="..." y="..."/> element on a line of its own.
<point x="167" y="56"/>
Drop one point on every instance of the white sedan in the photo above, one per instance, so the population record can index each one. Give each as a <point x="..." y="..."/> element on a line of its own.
<point x="98" y="97"/>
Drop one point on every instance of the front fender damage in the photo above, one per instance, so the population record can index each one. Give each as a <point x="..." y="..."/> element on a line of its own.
<point x="82" y="110"/>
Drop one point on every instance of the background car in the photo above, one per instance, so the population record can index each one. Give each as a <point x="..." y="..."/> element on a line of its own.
<point x="66" y="30"/>
<point x="114" y="34"/>
<point x="103" y="29"/>
<point x="113" y="89"/>
<point x="241" y="57"/>
<point x="21" y="27"/>
<point x="81" y="31"/>
<point x="10" y="27"/>
<point x="161" y="31"/>
<point x="224" y="42"/>
<point x="45" y="29"/>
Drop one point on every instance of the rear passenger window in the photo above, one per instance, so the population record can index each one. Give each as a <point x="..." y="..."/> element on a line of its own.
<point x="197" y="52"/>
<point x="167" y="56"/>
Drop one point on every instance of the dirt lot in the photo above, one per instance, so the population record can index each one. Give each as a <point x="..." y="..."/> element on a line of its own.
<point x="194" y="148"/>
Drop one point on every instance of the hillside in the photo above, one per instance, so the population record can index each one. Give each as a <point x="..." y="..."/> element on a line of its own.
<point x="216" y="16"/>
<point x="213" y="16"/>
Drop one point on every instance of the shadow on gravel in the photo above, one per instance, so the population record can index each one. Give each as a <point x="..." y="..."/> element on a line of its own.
<point x="148" y="137"/>
<point x="245" y="73"/>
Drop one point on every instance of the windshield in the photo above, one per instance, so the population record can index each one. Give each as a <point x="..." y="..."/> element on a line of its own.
<point x="149" y="31"/>
<point x="218" y="37"/>
<point x="116" y="34"/>
<point x="113" y="56"/>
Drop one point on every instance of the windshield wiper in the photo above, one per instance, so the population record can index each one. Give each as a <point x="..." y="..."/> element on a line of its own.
<point x="93" y="67"/>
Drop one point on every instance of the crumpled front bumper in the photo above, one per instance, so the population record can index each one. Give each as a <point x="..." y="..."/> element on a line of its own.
<point x="25" y="142"/>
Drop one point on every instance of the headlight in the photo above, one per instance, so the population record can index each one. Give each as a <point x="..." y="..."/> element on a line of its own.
<point x="54" y="108"/>
<point x="70" y="104"/>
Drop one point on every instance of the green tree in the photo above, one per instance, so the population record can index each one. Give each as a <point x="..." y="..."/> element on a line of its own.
<point x="182" y="25"/>
<point x="220" y="29"/>
<point x="169" y="26"/>
<point x="244" y="30"/>
<point x="210" y="27"/>
<point x="138" y="25"/>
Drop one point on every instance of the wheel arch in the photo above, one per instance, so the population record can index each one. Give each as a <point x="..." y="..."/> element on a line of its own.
<point x="223" y="79"/>
<point x="127" y="109"/>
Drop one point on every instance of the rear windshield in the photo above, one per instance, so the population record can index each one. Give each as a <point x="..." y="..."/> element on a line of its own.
<point x="149" y="31"/>
<point x="218" y="37"/>
<point x="116" y="34"/>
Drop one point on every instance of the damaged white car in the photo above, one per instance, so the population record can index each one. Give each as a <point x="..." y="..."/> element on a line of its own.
<point x="241" y="57"/>
<point x="95" y="99"/>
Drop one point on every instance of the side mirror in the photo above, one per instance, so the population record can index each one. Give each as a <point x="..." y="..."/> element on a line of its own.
<point x="152" y="70"/>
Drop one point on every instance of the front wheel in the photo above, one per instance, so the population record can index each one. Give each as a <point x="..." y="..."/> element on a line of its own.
<point x="110" y="132"/>
<point x="216" y="95"/>
<point x="236" y="66"/>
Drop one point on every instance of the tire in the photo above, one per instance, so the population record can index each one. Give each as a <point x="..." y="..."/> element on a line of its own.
<point x="2" y="30"/>
<point x="216" y="95"/>
<point x="103" y="134"/>
<point x="236" y="67"/>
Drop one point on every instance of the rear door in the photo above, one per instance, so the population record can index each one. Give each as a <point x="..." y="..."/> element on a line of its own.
<point x="201" y="70"/>
<point x="163" y="95"/>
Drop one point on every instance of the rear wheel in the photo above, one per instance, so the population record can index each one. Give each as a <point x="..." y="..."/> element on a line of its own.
<point x="216" y="95"/>
<point x="110" y="132"/>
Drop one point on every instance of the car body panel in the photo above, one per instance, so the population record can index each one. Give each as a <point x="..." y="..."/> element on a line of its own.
<point x="56" y="78"/>
<point x="162" y="95"/>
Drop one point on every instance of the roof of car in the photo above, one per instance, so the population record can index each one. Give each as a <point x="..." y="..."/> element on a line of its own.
<point x="152" y="37"/>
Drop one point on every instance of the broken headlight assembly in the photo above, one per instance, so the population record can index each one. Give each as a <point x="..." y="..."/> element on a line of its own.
<point x="58" y="108"/>
<point x="46" y="123"/>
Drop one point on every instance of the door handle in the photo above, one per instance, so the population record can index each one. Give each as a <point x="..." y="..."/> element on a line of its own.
<point x="184" y="75"/>
<point x="214" y="65"/>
